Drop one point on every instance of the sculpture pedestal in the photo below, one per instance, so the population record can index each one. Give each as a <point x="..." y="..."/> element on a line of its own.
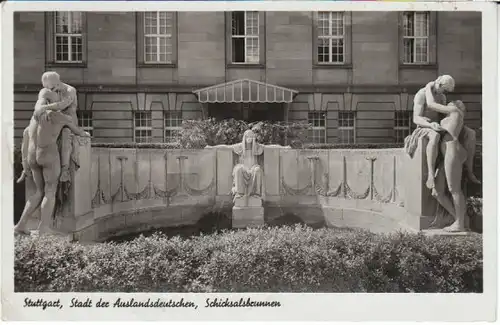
<point x="34" y="220"/>
<point x="441" y="232"/>
<point x="418" y="199"/>
<point x="248" y="212"/>
<point x="79" y="200"/>
<point x="246" y="217"/>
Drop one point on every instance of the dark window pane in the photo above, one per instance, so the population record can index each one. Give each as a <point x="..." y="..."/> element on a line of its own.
<point x="76" y="48"/>
<point x="321" y="120"/>
<point x="409" y="44"/>
<point x="323" y="52"/>
<point x="337" y="50"/>
<point x="238" y="22"/>
<point x="408" y="24"/>
<point x="238" y="50"/>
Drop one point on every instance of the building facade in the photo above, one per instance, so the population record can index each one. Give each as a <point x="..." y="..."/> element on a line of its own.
<point x="352" y="75"/>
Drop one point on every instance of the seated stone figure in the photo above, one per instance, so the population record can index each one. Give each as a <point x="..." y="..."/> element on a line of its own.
<point x="428" y="124"/>
<point x="454" y="155"/>
<point x="247" y="174"/>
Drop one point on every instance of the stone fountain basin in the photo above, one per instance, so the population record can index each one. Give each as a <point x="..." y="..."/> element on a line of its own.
<point x="376" y="217"/>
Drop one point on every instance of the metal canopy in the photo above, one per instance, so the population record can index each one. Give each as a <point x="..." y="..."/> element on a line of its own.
<point x="245" y="91"/>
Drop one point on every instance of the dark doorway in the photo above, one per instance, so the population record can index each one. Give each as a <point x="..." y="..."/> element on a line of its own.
<point x="225" y="111"/>
<point x="250" y="112"/>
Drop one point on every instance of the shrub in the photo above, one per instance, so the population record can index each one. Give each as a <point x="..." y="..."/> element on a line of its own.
<point x="287" y="259"/>
<point x="19" y="189"/>
<point x="200" y="133"/>
<point x="475" y="212"/>
<point x="353" y="146"/>
<point x="137" y="145"/>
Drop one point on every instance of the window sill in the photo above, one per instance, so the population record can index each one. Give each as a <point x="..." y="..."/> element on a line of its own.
<point x="156" y="65"/>
<point x="332" y="66"/>
<point x="418" y="66"/>
<point x="245" y="66"/>
<point x="66" y="65"/>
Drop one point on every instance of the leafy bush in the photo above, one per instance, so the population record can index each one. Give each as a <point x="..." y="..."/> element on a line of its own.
<point x="475" y="212"/>
<point x="137" y="145"/>
<point x="200" y="133"/>
<point x="353" y="145"/>
<point x="287" y="259"/>
<point x="19" y="189"/>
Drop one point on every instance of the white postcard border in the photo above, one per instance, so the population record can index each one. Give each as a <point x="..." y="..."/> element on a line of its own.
<point x="295" y="306"/>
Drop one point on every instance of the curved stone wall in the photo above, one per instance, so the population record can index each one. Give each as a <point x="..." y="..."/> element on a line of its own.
<point x="138" y="189"/>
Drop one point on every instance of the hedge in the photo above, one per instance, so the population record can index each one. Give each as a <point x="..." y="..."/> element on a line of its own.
<point x="200" y="133"/>
<point x="133" y="145"/>
<point x="353" y="146"/>
<point x="177" y="145"/>
<point x="286" y="259"/>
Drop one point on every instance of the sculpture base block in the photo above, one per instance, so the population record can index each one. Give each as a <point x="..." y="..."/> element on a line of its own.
<point x="248" y="201"/>
<point x="246" y="217"/>
<point x="441" y="232"/>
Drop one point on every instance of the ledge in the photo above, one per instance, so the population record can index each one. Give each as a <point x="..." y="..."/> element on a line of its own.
<point x="332" y="66"/>
<point x="304" y="88"/>
<point x="408" y="66"/>
<point x="245" y="66"/>
<point x="156" y="65"/>
<point x="66" y="65"/>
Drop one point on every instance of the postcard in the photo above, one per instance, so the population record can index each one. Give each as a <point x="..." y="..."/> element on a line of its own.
<point x="266" y="161"/>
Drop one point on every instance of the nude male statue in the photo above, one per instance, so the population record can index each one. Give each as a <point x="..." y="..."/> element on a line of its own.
<point x="427" y="121"/>
<point x="41" y="156"/>
<point x="51" y="83"/>
<point x="455" y="155"/>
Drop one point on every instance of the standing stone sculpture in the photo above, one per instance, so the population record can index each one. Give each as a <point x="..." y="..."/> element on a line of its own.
<point x="456" y="143"/>
<point x="449" y="171"/>
<point x="247" y="180"/>
<point x="44" y="159"/>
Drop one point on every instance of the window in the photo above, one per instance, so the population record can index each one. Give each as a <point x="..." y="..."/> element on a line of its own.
<point x="402" y="124"/>
<point x="173" y="122"/>
<point x="158" y="37"/>
<point x="331" y="37"/>
<point x="143" y="129"/>
<point x="85" y="121"/>
<point x="318" y="122"/>
<point x="347" y="127"/>
<point x="416" y="37"/>
<point x="68" y="37"/>
<point x="245" y="37"/>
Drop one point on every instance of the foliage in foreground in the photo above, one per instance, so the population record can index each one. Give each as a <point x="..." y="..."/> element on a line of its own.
<point x="287" y="259"/>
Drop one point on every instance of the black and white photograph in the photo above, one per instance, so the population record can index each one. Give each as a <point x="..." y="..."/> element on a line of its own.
<point x="232" y="161"/>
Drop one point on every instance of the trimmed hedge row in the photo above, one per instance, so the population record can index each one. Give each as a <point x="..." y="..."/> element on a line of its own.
<point x="304" y="146"/>
<point x="200" y="133"/>
<point x="287" y="259"/>
<point x="128" y="145"/>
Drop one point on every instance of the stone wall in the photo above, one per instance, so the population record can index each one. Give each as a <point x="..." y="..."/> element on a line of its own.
<point x="373" y="82"/>
<point x="133" y="190"/>
<point x="289" y="51"/>
<point x="112" y="113"/>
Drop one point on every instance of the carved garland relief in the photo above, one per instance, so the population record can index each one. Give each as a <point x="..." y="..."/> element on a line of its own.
<point x="343" y="190"/>
<point x="150" y="191"/>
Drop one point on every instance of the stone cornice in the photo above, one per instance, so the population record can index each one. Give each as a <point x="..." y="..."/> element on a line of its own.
<point x="355" y="89"/>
